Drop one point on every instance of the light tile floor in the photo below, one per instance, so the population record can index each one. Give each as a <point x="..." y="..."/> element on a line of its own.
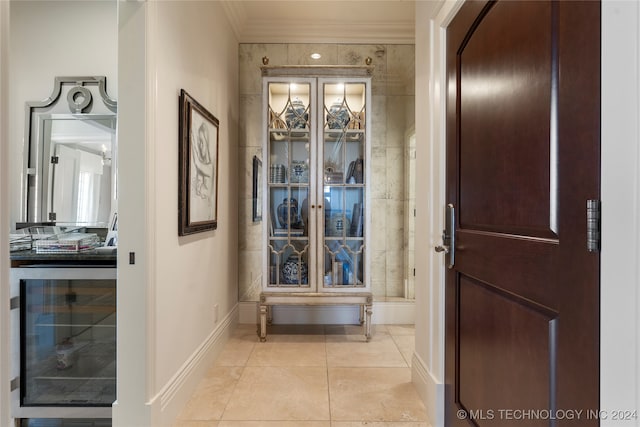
<point x="310" y="376"/>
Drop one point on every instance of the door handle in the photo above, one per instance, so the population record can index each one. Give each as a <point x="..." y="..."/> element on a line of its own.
<point x="442" y="248"/>
<point x="448" y="236"/>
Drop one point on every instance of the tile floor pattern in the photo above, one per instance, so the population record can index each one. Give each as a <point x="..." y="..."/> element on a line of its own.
<point x="310" y="376"/>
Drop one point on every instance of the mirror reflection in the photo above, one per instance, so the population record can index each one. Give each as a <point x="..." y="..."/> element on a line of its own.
<point x="80" y="174"/>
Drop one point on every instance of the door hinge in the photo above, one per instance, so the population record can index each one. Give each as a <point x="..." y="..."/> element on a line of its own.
<point x="14" y="303"/>
<point x="414" y="272"/>
<point x="54" y="160"/>
<point x="52" y="216"/>
<point x="593" y="225"/>
<point x="14" y="384"/>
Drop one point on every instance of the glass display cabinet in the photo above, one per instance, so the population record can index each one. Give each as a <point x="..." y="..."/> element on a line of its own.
<point x="317" y="150"/>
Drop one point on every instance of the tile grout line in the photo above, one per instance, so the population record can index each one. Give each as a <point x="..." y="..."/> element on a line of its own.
<point x="393" y="338"/>
<point x="236" y="382"/>
<point x="326" y="361"/>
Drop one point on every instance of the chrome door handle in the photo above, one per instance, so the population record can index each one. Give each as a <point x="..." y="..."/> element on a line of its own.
<point x="442" y="248"/>
<point x="448" y="236"/>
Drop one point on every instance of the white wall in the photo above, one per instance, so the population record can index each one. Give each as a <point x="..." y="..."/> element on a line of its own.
<point x="49" y="39"/>
<point x="428" y="363"/>
<point x="198" y="53"/>
<point x="620" y="271"/>
<point x="4" y="214"/>
<point x="166" y="308"/>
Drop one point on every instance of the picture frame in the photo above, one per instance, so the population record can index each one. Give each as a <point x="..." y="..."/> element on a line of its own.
<point x="197" y="167"/>
<point x="257" y="189"/>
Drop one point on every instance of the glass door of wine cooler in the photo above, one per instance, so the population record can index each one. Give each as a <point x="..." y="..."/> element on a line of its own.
<point x="67" y="336"/>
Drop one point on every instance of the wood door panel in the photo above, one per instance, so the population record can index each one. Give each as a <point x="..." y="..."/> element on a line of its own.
<point x="501" y="260"/>
<point x="505" y="99"/>
<point x="523" y="140"/>
<point x="506" y="353"/>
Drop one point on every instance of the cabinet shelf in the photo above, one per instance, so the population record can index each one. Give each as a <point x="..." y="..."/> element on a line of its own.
<point x="286" y="233"/>
<point x="342" y="185"/>
<point x="348" y="135"/>
<point x="283" y="135"/>
<point x="284" y="185"/>
<point x="83" y="309"/>
<point x="92" y="361"/>
<point x="348" y="238"/>
<point x="75" y="378"/>
<point x="71" y="325"/>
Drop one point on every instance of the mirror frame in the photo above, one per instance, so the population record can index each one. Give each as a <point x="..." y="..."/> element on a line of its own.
<point x="80" y="95"/>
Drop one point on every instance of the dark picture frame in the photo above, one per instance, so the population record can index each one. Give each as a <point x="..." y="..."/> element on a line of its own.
<point x="197" y="167"/>
<point x="257" y="189"/>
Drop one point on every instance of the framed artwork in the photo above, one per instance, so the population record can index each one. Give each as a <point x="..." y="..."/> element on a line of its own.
<point x="257" y="189"/>
<point x="198" y="167"/>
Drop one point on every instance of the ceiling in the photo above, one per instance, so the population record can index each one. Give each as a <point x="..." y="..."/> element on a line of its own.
<point x="313" y="21"/>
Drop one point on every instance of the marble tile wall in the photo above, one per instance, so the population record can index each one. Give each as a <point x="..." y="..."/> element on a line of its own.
<point x="393" y="88"/>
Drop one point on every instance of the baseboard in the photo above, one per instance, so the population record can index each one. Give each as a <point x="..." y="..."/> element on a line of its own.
<point x="168" y="403"/>
<point x="384" y="312"/>
<point x="430" y="390"/>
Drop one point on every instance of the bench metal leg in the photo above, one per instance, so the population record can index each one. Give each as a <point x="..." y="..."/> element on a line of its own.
<point x="263" y="323"/>
<point x="367" y="323"/>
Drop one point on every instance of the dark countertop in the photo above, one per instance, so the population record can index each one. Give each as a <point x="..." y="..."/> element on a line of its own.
<point x="94" y="257"/>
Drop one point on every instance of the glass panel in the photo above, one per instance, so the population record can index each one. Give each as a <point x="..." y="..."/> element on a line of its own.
<point x="344" y="184"/>
<point x="344" y="235"/>
<point x="69" y="342"/>
<point x="289" y="211"/>
<point x="344" y="131"/>
<point x="289" y="262"/>
<point x="289" y="184"/>
<point x="344" y="106"/>
<point x="343" y="262"/>
<point x="289" y="106"/>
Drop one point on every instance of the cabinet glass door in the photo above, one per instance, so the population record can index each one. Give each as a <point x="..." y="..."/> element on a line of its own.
<point x="68" y="340"/>
<point x="343" y="179"/>
<point x="290" y="189"/>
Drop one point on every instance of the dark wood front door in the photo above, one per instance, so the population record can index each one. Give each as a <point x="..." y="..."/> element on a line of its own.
<point x="523" y="147"/>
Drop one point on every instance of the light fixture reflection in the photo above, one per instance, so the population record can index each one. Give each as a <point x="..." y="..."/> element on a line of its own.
<point x="316" y="55"/>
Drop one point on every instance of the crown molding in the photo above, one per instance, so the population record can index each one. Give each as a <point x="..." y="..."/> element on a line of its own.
<point x="330" y="31"/>
<point x="317" y="31"/>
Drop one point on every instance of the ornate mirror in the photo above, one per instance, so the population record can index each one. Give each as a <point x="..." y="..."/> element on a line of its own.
<point x="70" y="159"/>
